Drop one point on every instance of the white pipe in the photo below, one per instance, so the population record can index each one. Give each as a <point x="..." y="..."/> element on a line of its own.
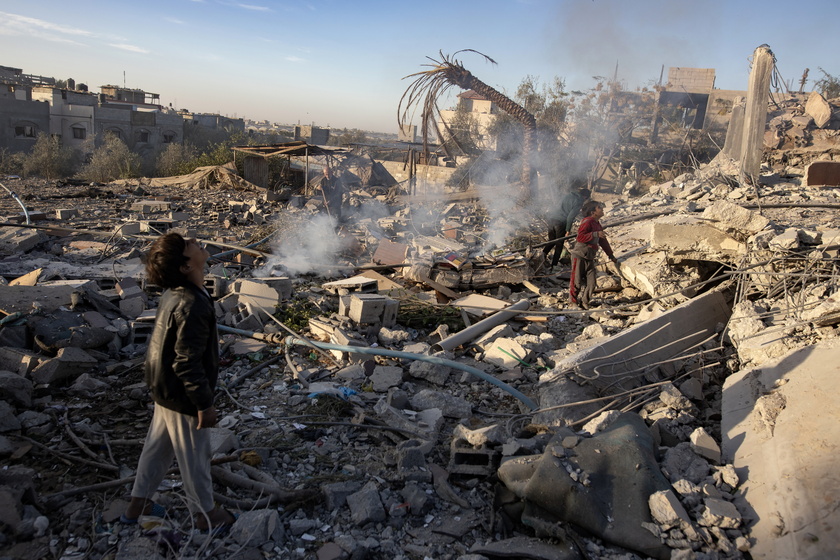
<point x="472" y="332"/>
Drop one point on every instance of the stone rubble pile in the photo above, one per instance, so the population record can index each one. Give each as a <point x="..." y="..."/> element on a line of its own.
<point x="348" y="453"/>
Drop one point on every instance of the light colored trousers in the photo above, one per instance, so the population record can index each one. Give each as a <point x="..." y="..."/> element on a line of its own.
<point x="174" y="435"/>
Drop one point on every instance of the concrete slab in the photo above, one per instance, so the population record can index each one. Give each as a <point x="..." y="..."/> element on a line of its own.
<point x="479" y="305"/>
<point x="643" y="270"/>
<point x="695" y="241"/>
<point x="734" y="217"/>
<point x="781" y="431"/>
<point x="359" y="283"/>
<point x="19" y="240"/>
<point x="506" y="353"/>
<point x="619" y="362"/>
<point x="130" y="268"/>
<point x="49" y="296"/>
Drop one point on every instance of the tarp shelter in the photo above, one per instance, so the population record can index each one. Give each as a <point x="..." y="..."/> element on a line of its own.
<point x="210" y="176"/>
<point x="256" y="158"/>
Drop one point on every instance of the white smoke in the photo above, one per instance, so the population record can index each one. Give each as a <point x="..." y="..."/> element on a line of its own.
<point x="303" y="244"/>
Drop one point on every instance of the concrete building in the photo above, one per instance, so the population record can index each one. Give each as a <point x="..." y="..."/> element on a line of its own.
<point x="407" y="133"/>
<point x="30" y="105"/>
<point x="137" y="118"/>
<point x="312" y="135"/>
<point x="21" y="119"/>
<point x="482" y="112"/>
<point x="212" y="121"/>
<point x="689" y="89"/>
<point x="71" y="114"/>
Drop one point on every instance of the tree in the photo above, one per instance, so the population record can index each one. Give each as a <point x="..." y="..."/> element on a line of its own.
<point x="11" y="163"/>
<point x="112" y="160"/>
<point x="176" y="159"/>
<point x="430" y="85"/>
<point x="828" y="85"/>
<point x="49" y="159"/>
<point x="550" y="106"/>
<point x="605" y="118"/>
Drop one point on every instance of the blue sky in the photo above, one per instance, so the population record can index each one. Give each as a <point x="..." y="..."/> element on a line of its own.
<point x="340" y="63"/>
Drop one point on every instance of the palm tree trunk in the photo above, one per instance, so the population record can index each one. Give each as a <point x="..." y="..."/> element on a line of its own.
<point x="465" y="80"/>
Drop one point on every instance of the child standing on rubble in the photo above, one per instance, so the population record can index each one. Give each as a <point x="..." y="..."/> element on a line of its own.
<point x="182" y="366"/>
<point x="584" y="252"/>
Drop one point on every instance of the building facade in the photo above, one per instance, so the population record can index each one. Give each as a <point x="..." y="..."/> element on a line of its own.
<point x="482" y="113"/>
<point x="31" y="105"/>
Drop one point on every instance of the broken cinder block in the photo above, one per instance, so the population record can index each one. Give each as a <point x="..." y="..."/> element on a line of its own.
<point x="19" y="240"/>
<point x="150" y="206"/>
<point x="66" y="213"/>
<point x="128" y="288"/>
<point x="467" y="460"/>
<point x="373" y="308"/>
<point x="156" y="226"/>
<point x="263" y="295"/>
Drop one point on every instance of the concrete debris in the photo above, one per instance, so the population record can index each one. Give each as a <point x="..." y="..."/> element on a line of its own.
<point x="703" y="444"/>
<point x="406" y="452"/>
<point x="818" y="109"/>
<point x="574" y="487"/>
<point x="783" y="452"/>
<point x="258" y="527"/>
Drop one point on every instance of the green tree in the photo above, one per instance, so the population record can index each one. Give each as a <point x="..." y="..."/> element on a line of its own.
<point x="49" y="159"/>
<point x="605" y="119"/>
<point x="11" y="163"/>
<point x="828" y="85"/>
<point x="176" y="159"/>
<point x="110" y="161"/>
<point x="550" y="106"/>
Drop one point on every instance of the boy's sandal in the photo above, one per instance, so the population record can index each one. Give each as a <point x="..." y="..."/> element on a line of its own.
<point x="156" y="511"/>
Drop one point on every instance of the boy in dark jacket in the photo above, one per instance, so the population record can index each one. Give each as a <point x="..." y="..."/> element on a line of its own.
<point x="182" y="366"/>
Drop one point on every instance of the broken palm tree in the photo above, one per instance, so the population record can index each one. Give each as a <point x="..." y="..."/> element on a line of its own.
<point x="430" y="85"/>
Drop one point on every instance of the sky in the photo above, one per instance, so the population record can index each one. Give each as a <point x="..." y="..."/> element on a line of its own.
<point x="342" y="63"/>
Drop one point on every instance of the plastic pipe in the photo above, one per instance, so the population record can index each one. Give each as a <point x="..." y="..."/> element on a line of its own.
<point x="423" y="358"/>
<point x="472" y="332"/>
<point x="272" y="338"/>
<point x="19" y="201"/>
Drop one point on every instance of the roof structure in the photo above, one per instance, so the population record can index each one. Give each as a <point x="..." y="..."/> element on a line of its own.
<point x="298" y="148"/>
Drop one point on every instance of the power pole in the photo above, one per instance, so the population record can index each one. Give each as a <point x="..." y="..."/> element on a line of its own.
<point x="803" y="80"/>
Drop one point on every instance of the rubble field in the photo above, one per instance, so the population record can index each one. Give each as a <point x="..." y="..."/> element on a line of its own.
<point x="399" y="388"/>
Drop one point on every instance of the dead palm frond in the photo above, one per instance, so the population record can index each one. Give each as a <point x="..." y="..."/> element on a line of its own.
<point x="430" y="85"/>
